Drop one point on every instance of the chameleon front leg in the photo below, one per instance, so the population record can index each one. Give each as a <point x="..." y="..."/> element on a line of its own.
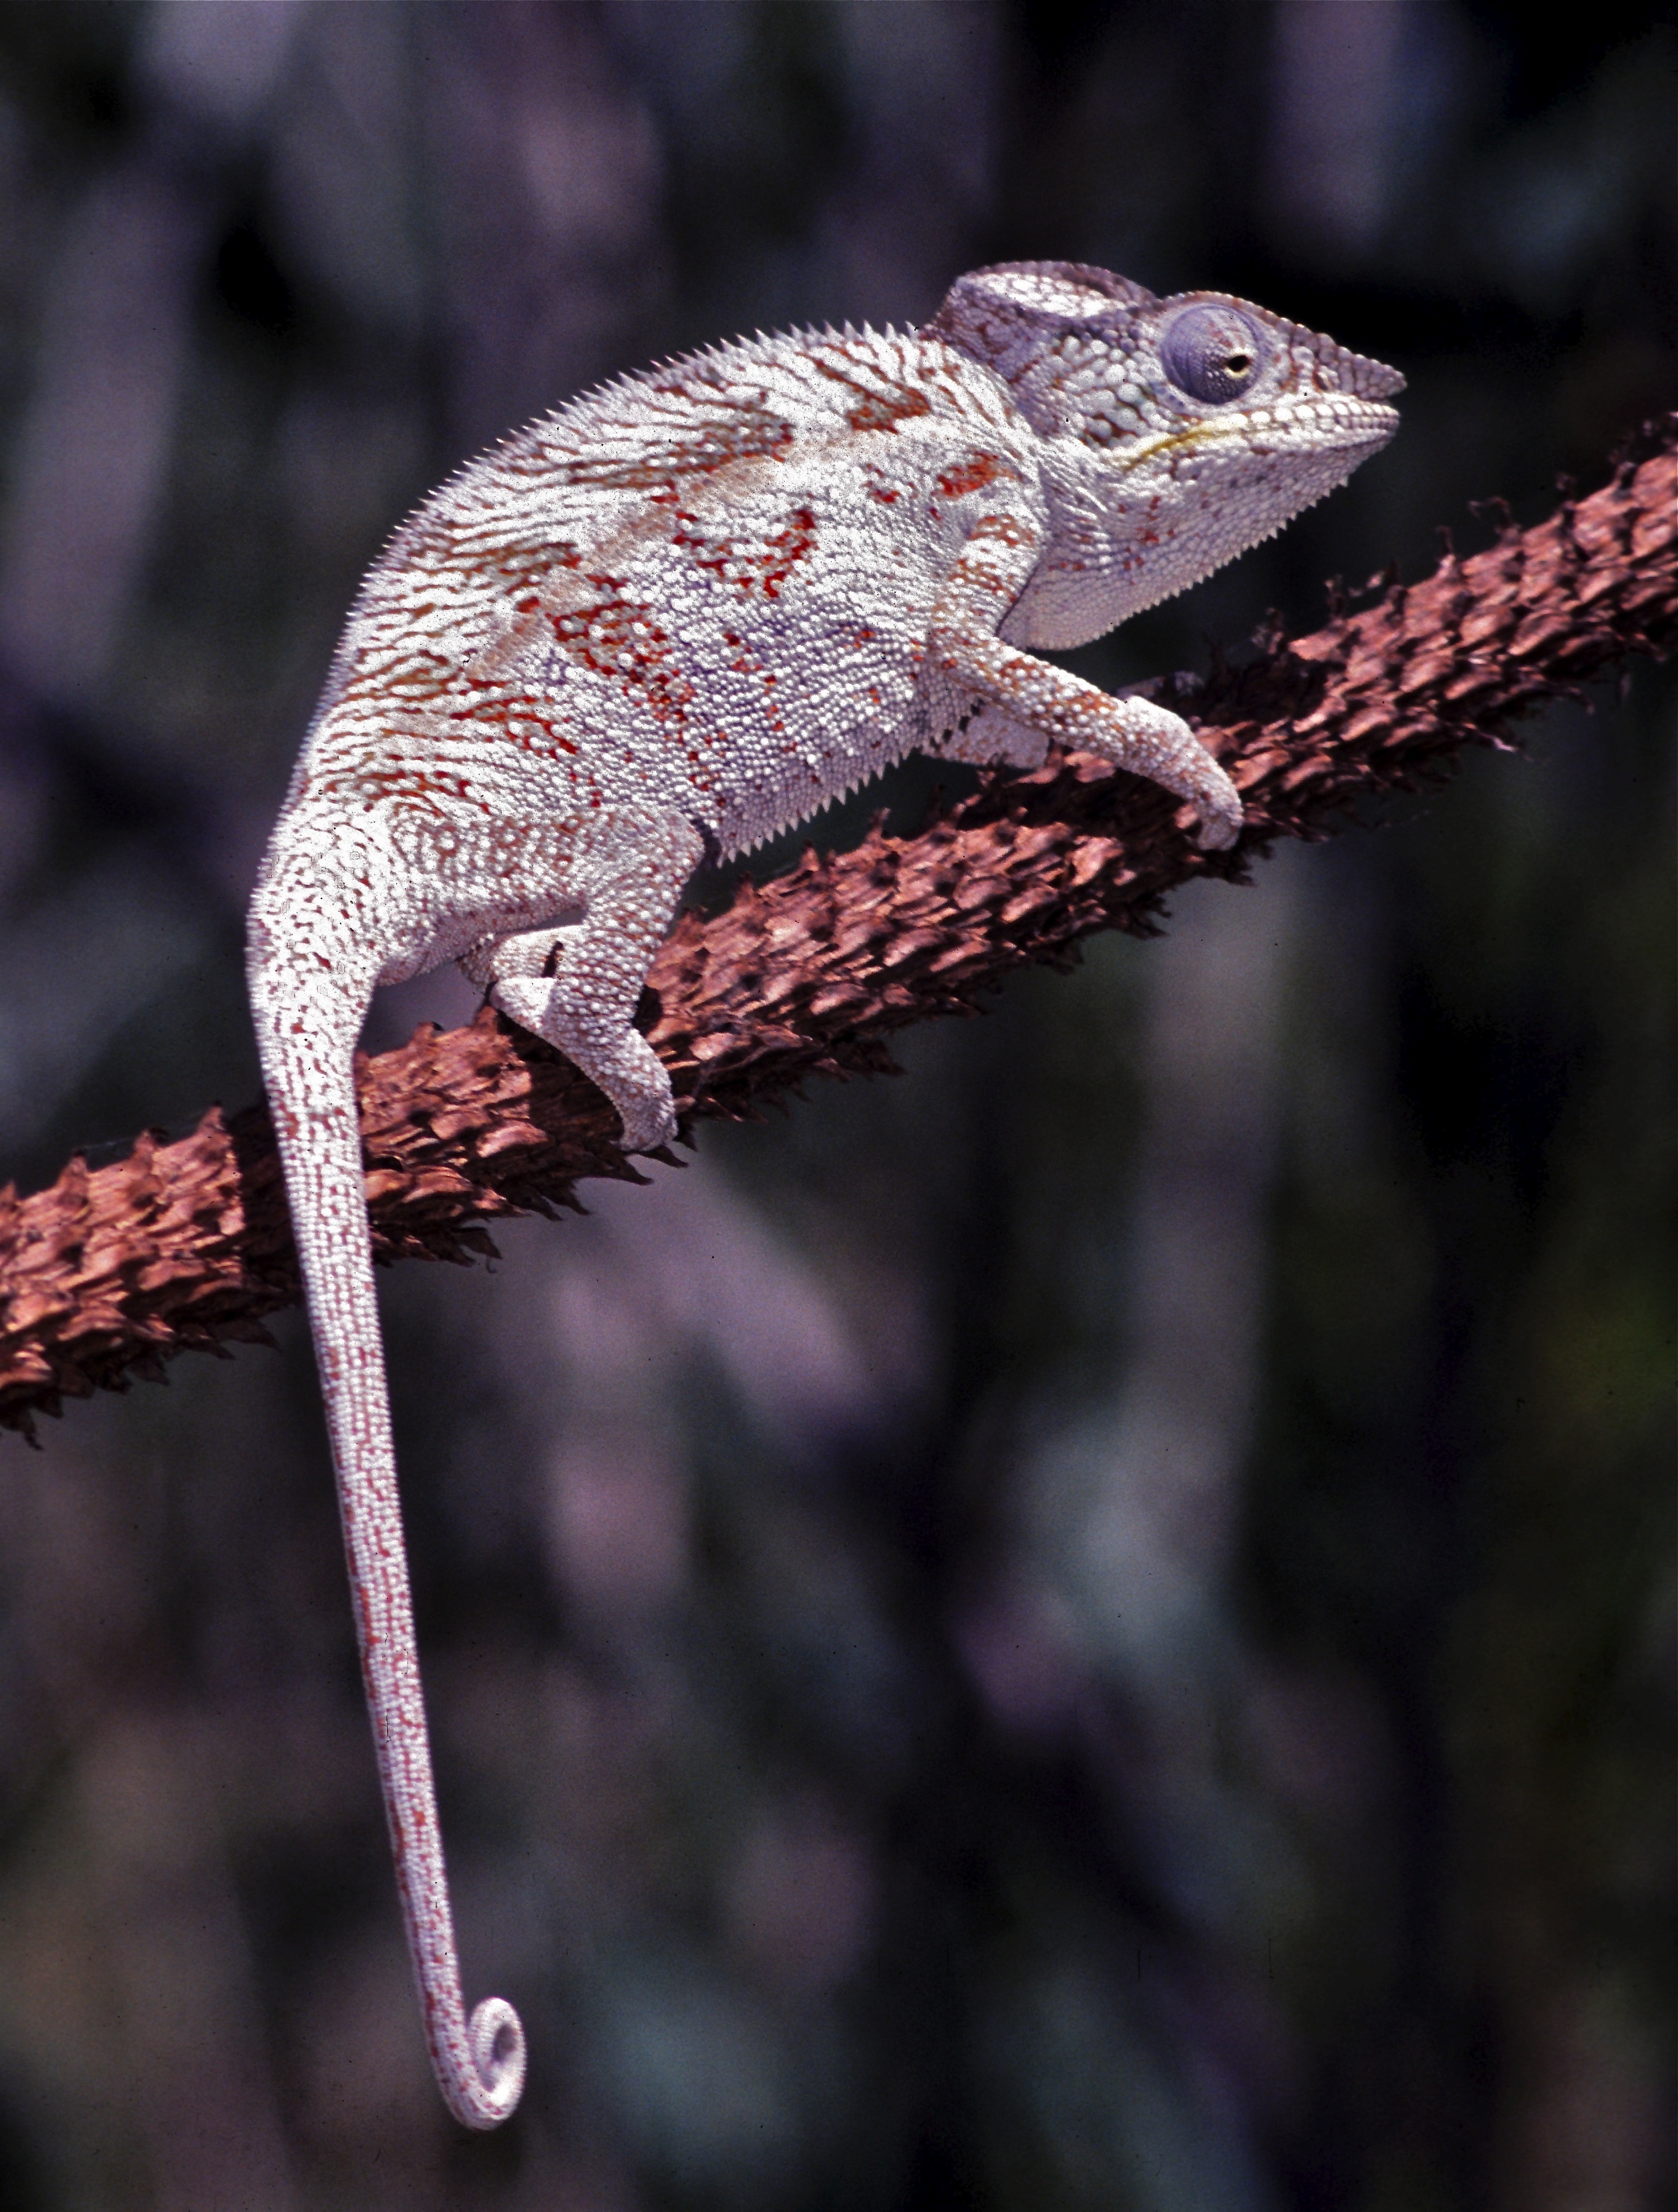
<point x="965" y="655"/>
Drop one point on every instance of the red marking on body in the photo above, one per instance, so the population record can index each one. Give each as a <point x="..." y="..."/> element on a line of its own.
<point x="786" y="548"/>
<point x="720" y="430"/>
<point x="372" y="782"/>
<point x="751" y="566"/>
<point x="524" y="719"/>
<point x="415" y="681"/>
<point x="622" y="640"/>
<point x="880" y="405"/>
<point x="1002" y="527"/>
<point x="972" y="475"/>
<point x="524" y="562"/>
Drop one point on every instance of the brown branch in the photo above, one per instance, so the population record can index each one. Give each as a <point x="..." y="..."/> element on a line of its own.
<point x="109" y="1273"/>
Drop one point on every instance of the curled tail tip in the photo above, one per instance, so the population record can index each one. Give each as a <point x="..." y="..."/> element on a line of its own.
<point x="488" y="2093"/>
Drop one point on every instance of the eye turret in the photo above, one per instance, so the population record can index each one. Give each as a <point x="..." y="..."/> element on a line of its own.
<point x="1213" y="354"/>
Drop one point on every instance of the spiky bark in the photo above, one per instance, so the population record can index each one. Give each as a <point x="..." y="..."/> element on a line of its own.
<point x="182" y="1246"/>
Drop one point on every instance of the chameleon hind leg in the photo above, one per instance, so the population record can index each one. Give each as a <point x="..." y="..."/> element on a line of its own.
<point x="576" y="983"/>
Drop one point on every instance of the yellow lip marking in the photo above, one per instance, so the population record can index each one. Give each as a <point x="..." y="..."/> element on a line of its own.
<point x="1215" y="433"/>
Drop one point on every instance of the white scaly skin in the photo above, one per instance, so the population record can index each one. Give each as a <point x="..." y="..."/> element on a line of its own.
<point x="678" y="615"/>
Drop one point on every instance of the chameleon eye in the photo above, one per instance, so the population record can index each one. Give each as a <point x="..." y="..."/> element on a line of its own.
<point x="1213" y="353"/>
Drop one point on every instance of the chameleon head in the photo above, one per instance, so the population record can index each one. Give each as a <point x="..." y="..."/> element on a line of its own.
<point x="1181" y="431"/>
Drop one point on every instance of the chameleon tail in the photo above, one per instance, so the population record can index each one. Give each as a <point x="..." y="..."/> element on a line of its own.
<point x="307" y="1066"/>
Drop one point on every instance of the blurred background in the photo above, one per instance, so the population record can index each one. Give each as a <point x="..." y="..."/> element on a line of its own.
<point x="1088" y="1627"/>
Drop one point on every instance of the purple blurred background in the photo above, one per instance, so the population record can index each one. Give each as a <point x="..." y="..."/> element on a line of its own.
<point x="1089" y="1627"/>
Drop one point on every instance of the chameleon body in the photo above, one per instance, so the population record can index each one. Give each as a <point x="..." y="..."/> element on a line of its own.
<point x="673" y="618"/>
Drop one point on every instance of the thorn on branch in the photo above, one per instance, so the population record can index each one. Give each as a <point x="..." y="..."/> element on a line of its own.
<point x="188" y="1245"/>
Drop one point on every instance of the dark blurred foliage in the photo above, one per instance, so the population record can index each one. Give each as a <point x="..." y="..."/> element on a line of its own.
<point x="1089" y="1627"/>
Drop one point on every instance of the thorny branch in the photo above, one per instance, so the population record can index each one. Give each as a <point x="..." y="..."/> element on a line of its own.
<point x="110" y="1272"/>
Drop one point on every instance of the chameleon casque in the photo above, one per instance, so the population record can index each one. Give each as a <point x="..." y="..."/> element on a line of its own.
<point x="680" y="615"/>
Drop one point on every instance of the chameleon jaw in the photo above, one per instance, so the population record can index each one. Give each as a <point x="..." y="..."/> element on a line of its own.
<point x="1333" y="424"/>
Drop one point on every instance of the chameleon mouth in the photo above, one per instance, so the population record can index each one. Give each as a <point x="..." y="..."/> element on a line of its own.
<point x="1335" y="423"/>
